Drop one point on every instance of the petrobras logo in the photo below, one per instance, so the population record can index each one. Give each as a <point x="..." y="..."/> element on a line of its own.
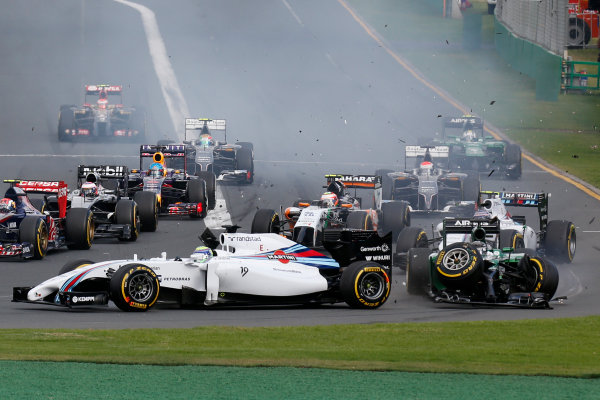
<point x="106" y="170"/>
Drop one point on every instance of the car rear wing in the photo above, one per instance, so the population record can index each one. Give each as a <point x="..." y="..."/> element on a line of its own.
<point x="45" y="187"/>
<point x="109" y="89"/>
<point x="168" y="150"/>
<point x="356" y="181"/>
<point x="434" y="151"/>
<point x="103" y="171"/>
<point x="478" y="228"/>
<point x="522" y="199"/>
<point x="206" y="126"/>
<point x="464" y="121"/>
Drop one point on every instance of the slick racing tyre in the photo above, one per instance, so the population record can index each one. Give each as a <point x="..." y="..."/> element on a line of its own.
<point x="196" y="193"/>
<point x="75" y="264"/>
<point x="542" y="275"/>
<point x="246" y="145"/>
<point x="511" y="238"/>
<point x="134" y="287"/>
<point x="244" y="160"/>
<point x="147" y="205"/>
<point x="266" y="221"/>
<point x="126" y="213"/>
<point x="396" y="217"/>
<point x="66" y="122"/>
<point x="359" y="220"/>
<point x="211" y="187"/>
<point x="410" y="237"/>
<point x="471" y="186"/>
<point x="458" y="265"/>
<point x="38" y="204"/>
<point x="364" y="284"/>
<point x="513" y="158"/>
<point x="386" y="183"/>
<point x="33" y="230"/>
<point x="418" y="278"/>
<point x="561" y="240"/>
<point x="79" y="228"/>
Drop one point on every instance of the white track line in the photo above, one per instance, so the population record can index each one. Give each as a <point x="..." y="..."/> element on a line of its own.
<point x="178" y="108"/>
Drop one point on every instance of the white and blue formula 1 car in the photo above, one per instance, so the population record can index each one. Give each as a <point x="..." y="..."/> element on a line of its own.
<point x="237" y="268"/>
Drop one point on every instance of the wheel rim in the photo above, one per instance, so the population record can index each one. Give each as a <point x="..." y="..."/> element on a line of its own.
<point x="141" y="288"/>
<point x="43" y="238"/>
<point x="456" y="259"/>
<point x="90" y="230"/>
<point x="372" y="285"/>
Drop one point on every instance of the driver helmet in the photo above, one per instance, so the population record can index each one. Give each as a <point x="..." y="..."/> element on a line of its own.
<point x="469" y="135"/>
<point x="89" y="189"/>
<point x="426" y="166"/>
<point x="103" y="99"/>
<point x="202" y="254"/>
<point x="329" y="199"/>
<point x="7" y="206"/>
<point x="156" y="170"/>
<point x="206" y="141"/>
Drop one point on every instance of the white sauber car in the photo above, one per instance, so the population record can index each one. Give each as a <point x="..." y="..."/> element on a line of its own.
<point x="244" y="269"/>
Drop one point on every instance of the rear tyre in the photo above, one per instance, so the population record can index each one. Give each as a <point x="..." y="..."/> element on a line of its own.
<point x="75" y="264"/>
<point x="386" y="183"/>
<point x="196" y="193"/>
<point x="126" y="213"/>
<point x="246" y="145"/>
<point x="211" y="187"/>
<point x="244" y="160"/>
<point x="147" y="205"/>
<point x="66" y="122"/>
<point x="560" y="241"/>
<point x="364" y="284"/>
<point x="134" y="287"/>
<point x="359" y="220"/>
<point x="542" y="275"/>
<point x="33" y="230"/>
<point x="410" y="237"/>
<point x="266" y="221"/>
<point x="396" y="217"/>
<point x="79" y="228"/>
<point x="458" y="265"/>
<point x="418" y="280"/>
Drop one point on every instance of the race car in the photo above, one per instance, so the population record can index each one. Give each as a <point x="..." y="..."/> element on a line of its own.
<point x="27" y="232"/>
<point x="237" y="268"/>
<point x="211" y="152"/>
<point x="472" y="150"/>
<point x="429" y="186"/>
<point x="100" y="117"/>
<point x="103" y="190"/>
<point x="480" y="272"/>
<point x="177" y="192"/>
<point x="306" y="221"/>
<point x="556" y="239"/>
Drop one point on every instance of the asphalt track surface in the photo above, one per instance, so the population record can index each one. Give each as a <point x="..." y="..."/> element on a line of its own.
<point x="302" y="80"/>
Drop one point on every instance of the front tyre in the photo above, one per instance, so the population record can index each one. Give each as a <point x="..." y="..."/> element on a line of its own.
<point x="211" y="187"/>
<point x="365" y="284"/>
<point x="458" y="265"/>
<point x="359" y="220"/>
<point x="410" y="237"/>
<point x="542" y="275"/>
<point x="196" y="193"/>
<point x="266" y="221"/>
<point x="418" y="277"/>
<point x="79" y="228"/>
<point x="75" y="264"/>
<point x="134" y="287"/>
<point x="126" y="213"/>
<point x="147" y="210"/>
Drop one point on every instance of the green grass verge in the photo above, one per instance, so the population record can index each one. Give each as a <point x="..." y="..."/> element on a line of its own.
<point x="529" y="347"/>
<point x="484" y="82"/>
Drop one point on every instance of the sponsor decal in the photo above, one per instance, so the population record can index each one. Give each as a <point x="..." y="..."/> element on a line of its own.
<point x="281" y="256"/>
<point x="137" y="305"/>
<point x="108" y="170"/>
<point x="176" y="279"/>
<point x="295" y="271"/>
<point x="82" y="299"/>
<point x="246" y="238"/>
<point x="378" y="258"/>
<point x="352" y="178"/>
<point x="383" y="248"/>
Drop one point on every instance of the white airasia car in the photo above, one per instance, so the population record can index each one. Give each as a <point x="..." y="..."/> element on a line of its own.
<point x="244" y="269"/>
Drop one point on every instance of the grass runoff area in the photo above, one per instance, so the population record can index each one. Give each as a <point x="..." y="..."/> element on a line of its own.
<point x="525" y="359"/>
<point x="530" y="359"/>
<point x="565" y="133"/>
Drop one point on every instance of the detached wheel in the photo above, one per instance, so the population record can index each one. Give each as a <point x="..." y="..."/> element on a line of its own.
<point x="266" y="221"/>
<point x="458" y="265"/>
<point x="409" y="238"/>
<point x="396" y="217"/>
<point x="560" y="241"/>
<point x="511" y="238"/>
<point x="386" y="183"/>
<point x="210" y="180"/>
<point x="75" y="264"/>
<point x="33" y="230"/>
<point x="126" y="213"/>
<point x="66" y="122"/>
<point x="79" y="228"/>
<point x="365" y="284"/>
<point x="147" y="205"/>
<point x="359" y="220"/>
<point x="418" y="279"/>
<point x="196" y="193"/>
<point x="471" y="186"/>
<point x="245" y="161"/>
<point x="542" y="275"/>
<point x="134" y="287"/>
<point x="512" y="158"/>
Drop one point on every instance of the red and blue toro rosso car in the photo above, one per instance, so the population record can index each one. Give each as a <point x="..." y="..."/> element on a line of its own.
<point x="27" y="232"/>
